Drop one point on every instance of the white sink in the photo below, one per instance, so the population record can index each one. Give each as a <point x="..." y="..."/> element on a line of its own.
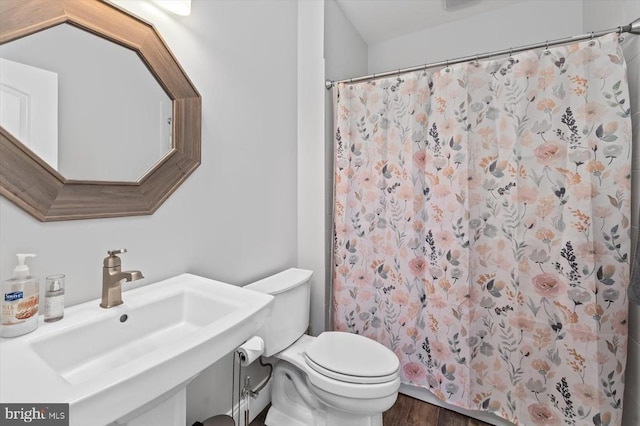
<point x="109" y="362"/>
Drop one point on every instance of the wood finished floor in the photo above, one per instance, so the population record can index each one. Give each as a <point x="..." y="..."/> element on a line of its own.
<point x="408" y="411"/>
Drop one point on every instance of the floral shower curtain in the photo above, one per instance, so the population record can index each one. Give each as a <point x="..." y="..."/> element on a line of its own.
<point x="482" y="229"/>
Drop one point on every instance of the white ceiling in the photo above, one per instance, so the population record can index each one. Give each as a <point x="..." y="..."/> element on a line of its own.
<point x="378" y="20"/>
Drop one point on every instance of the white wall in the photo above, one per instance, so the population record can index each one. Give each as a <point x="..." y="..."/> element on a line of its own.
<point x="601" y="14"/>
<point x="235" y="218"/>
<point x="312" y="170"/>
<point x="524" y="22"/>
<point x="345" y="51"/>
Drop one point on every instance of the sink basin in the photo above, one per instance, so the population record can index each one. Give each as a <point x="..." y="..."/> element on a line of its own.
<point x="109" y="362"/>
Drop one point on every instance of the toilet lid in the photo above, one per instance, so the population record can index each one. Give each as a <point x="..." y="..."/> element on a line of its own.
<point x="352" y="358"/>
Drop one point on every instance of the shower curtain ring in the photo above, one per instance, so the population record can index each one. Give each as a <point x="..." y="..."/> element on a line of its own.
<point x="592" y="42"/>
<point x="620" y="37"/>
<point x="477" y="62"/>
<point x="510" y="51"/>
<point x="546" y="49"/>
<point x="446" y="66"/>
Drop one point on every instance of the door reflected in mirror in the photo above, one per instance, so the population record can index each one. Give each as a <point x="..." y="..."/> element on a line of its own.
<point x="88" y="107"/>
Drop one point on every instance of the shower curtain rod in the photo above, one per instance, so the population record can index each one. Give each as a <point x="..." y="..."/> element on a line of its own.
<point x="633" y="28"/>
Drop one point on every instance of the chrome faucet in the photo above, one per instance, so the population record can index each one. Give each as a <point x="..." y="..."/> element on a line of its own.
<point x="112" y="278"/>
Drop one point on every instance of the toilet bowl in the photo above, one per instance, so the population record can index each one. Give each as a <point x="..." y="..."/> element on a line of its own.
<point x="335" y="379"/>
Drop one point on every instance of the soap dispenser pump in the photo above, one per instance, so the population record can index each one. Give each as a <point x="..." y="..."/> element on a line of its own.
<point x="20" y="300"/>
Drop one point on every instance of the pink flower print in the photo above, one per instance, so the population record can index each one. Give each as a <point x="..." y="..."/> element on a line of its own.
<point x="498" y="383"/>
<point x="365" y="294"/>
<point x="595" y="167"/>
<point x="602" y="211"/>
<point x="362" y="277"/>
<point x="367" y="180"/>
<point x="448" y="172"/>
<point x="546" y="105"/>
<point x="440" y="350"/>
<point x="447" y="127"/>
<point x="549" y="152"/>
<point x="541" y="366"/>
<point x="414" y="372"/>
<point x="444" y="239"/>
<point x="547" y="284"/>
<point x="527" y="67"/>
<point x="527" y="194"/>
<point x="591" y="251"/>
<point x="582" y="333"/>
<point x="343" y="229"/>
<point x="546" y="76"/>
<point x="414" y="308"/>
<point x="587" y="394"/>
<point x="420" y="159"/>
<point x="342" y="270"/>
<point x="591" y="112"/>
<point x="480" y="367"/>
<point x="542" y="415"/>
<point x="409" y="86"/>
<point x="441" y="191"/>
<point x="344" y="300"/>
<point x="585" y="191"/>
<point x="522" y="321"/>
<point x="418" y="266"/>
<point x="610" y="127"/>
<point x="405" y="192"/>
<point x="400" y="297"/>
<point x="601" y="357"/>
<point x="545" y="235"/>
<point x="438" y="302"/>
<point x="584" y="56"/>
<point x="412" y="332"/>
<point x="622" y="176"/>
<point x="619" y="322"/>
<point x="595" y="310"/>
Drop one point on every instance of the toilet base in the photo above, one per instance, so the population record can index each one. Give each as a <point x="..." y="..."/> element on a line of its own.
<point x="293" y="404"/>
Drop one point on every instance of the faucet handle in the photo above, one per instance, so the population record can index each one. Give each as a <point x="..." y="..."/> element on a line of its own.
<point x="113" y="260"/>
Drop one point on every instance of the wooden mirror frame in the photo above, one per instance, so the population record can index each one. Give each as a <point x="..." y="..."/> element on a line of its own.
<point x="40" y="190"/>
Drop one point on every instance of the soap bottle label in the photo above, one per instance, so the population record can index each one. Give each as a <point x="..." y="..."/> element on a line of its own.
<point x="17" y="309"/>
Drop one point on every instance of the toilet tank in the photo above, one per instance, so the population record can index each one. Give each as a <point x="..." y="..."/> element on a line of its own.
<point x="289" y="317"/>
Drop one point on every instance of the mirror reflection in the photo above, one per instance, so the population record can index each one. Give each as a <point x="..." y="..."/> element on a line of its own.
<point x="88" y="107"/>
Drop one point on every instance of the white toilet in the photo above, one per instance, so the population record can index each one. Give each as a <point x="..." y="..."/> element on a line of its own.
<point x="335" y="379"/>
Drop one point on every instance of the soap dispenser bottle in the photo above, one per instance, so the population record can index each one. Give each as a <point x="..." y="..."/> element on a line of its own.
<point x="20" y="301"/>
<point x="54" y="298"/>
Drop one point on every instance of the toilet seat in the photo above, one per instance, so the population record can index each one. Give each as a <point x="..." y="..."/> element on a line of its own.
<point x="379" y="377"/>
<point x="347" y="378"/>
<point x="352" y="390"/>
<point x="351" y="358"/>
